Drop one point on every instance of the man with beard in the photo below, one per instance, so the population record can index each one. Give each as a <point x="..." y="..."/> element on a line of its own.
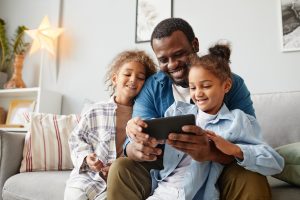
<point x="173" y="42"/>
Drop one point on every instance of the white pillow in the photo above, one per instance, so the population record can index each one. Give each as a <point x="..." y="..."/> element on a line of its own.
<point x="46" y="143"/>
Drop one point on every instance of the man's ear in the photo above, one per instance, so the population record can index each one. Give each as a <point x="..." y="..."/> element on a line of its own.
<point x="227" y="85"/>
<point x="195" y="45"/>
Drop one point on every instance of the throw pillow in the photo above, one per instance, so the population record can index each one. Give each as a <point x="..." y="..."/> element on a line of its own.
<point x="291" y="171"/>
<point x="46" y="143"/>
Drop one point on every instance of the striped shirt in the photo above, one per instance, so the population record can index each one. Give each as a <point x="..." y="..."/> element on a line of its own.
<point x="95" y="133"/>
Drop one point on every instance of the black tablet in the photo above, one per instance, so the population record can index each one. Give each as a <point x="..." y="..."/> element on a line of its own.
<point x="160" y="128"/>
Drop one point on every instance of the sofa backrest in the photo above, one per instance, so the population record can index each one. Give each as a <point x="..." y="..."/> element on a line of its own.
<point x="279" y="116"/>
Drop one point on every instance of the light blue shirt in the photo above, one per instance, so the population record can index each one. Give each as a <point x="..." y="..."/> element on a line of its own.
<point x="235" y="126"/>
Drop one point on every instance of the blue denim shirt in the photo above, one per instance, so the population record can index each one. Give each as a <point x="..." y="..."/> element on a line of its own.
<point x="235" y="126"/>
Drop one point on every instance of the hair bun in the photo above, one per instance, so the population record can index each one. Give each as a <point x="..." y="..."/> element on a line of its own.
<point x="221" y="50"/>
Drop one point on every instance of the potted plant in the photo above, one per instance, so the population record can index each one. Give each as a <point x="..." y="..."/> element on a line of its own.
<point x="4" y="54"/>
<point x="12" y="55"/>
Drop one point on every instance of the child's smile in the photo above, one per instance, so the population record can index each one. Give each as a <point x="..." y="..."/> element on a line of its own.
<point x="129" y="81"/>
<point x="206" y="90"/>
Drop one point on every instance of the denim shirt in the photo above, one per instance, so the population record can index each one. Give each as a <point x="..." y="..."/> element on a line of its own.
<point x="235" y="126"/>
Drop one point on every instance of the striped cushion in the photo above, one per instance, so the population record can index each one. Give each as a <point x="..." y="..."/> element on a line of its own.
<point x="46" y="143"/>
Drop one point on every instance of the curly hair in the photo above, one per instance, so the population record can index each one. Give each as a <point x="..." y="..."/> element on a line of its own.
<point x="166" y="27"/>
<point x="126" y="57"/>
<point x="217" y="61"/>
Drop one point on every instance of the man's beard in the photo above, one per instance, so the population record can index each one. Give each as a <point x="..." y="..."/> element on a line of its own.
<point x="182" y="83"/>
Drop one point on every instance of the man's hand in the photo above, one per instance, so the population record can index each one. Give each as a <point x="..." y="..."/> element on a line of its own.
<point x="142" y="147"/>
<point x="196" y="144"/>
<point x="94" y="163"/>
<point x="143" y="151"/>
<point x="134" y="130"/>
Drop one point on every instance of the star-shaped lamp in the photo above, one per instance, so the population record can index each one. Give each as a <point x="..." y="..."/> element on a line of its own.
<point x="44" y="37"/>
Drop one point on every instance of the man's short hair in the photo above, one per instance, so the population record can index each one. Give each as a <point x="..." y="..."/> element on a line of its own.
<point x="166" y="27"/>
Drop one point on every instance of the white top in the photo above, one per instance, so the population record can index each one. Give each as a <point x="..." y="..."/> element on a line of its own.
<point x="176" y="179"/>
<point x="181" y="93"/>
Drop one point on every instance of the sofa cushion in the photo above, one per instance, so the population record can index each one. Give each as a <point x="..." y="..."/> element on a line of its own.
<point x="291" y="171"/>
<point x="277" y="113"/>
<point x="46" y="143"/>
<point x="282" y="190"/>
<point x="36" y="186"/>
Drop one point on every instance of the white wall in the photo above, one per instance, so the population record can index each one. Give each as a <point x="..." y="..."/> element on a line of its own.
<point x="30" y="13"/>
<point x="95" y="31"/>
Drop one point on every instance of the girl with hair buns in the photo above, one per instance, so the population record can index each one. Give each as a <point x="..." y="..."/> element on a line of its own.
<point x="232" y="131"/>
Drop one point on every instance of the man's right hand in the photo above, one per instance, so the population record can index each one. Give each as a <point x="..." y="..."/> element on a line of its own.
<point x="134" y="130"/>
<point x="142" y="147"/>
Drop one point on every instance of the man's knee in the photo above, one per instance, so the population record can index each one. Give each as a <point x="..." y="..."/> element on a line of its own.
<point x="239" y="183"/>
<point x="130" y="177"/>
<point x="120" y="168"/>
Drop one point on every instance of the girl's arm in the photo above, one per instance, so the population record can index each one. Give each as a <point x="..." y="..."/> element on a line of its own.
<point x="257" y="155"/>
<point x="225" y="146"/>
<point x="79" y="145"/>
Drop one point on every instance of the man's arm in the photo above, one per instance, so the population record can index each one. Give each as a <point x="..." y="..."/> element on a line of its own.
<point x="239" y="96"/>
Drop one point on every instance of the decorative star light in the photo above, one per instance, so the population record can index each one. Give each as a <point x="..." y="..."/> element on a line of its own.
<point x="44" y="37"/>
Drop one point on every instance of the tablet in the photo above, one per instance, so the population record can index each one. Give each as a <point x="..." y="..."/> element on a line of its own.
<point x="160" y="128"/>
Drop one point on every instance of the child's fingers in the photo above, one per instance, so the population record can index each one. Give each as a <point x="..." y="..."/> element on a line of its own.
<point x="210" y="133"/>
<point x="98" y="163"/>
<point x="105" y="169"/>
<point x="94" y="157"/>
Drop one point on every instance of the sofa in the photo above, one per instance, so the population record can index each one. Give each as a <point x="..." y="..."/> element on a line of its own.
<point x="278" y="114"/>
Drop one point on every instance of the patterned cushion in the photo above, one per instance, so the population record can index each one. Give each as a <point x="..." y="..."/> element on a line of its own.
<point x="46" y="143"/>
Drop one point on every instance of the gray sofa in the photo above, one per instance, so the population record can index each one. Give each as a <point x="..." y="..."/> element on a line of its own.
<point x="278" y="114"/>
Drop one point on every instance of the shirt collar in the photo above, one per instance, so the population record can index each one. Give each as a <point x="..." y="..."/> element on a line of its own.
<point x="223" y="114"/>
<point x="185" y="108"/>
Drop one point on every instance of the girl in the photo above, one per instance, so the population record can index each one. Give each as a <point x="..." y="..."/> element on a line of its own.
<point x="97" y="140"/>
<point x="232" y="132"/>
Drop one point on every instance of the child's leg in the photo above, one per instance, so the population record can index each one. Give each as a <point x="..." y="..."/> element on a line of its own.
<point x="163" y="192"/>
<point x="73" y="193"/>
<point x="237" y="183"/>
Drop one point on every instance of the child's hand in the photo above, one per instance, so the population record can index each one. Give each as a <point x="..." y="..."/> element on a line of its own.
<point x="94" y="163"/>
<point x="104" y="171"/>
<point x="225" y="146"/>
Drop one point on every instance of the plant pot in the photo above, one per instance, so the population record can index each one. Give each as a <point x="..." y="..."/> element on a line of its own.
<point x="16" y="80"/>
<point x="3" y="79"/>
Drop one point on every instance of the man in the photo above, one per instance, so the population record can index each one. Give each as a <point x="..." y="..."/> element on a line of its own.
<point x="173" y="41"/>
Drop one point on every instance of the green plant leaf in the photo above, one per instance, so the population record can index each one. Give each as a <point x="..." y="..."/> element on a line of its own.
<point x="19" y="45"/>
<point x="4" y="47"/>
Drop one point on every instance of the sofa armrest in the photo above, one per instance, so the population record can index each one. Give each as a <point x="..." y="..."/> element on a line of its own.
<point x="11" y="152"/>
